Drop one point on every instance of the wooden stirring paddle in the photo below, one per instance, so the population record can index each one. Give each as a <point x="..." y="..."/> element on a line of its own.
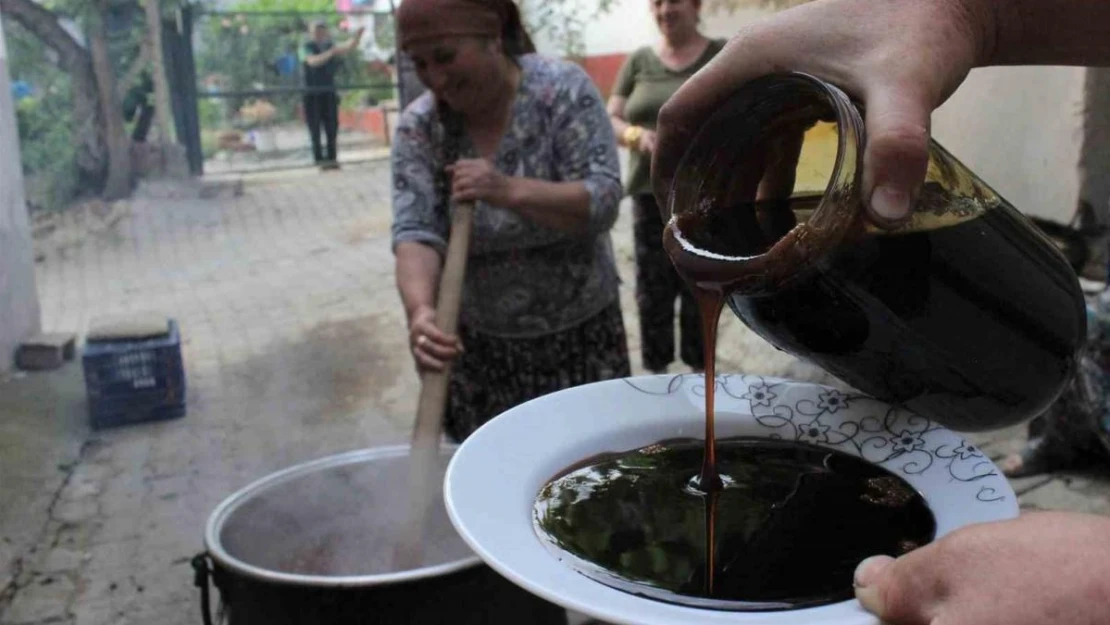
<point x="424" y="453"/>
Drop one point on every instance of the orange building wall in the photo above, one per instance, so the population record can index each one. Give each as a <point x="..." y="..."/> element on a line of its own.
<point x="369" y="120"/>
<point x="603" y="69"/>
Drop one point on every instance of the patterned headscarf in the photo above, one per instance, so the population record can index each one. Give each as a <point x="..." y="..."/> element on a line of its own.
<point x="423" y="20"/>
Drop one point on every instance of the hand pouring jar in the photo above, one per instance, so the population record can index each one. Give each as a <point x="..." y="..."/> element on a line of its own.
<point x="966" y="314"/>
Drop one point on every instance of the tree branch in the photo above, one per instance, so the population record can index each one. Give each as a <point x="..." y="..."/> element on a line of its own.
<point x="136" y="68"/>
<point x="43" y="24"/>
<point x="163" y="110"/>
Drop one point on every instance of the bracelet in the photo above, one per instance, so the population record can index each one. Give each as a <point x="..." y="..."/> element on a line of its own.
<point x="631" y="136"/>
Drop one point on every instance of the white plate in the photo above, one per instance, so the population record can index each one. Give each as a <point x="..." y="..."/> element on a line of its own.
<point x="493" y="479"/>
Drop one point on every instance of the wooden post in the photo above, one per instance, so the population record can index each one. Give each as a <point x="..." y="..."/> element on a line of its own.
<point x="163" y="113"/>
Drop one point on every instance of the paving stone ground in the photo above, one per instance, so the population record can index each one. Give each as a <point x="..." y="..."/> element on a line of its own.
<point x="295" y="349"/>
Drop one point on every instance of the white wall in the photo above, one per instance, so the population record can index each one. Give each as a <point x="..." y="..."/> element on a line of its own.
<point x="1021" y="130"/>
<point x="629" y="25"/>
<point x="19" y="304"/>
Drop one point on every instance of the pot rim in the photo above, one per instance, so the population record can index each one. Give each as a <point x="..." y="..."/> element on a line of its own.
<point x="220" y="514"/>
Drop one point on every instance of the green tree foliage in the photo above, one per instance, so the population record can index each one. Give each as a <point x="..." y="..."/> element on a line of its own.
<point x="70" y="143"/>
<point x="43" y="118"/>
<point x="249" y="48"/>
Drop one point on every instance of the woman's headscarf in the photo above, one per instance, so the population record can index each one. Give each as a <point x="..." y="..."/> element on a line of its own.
<point x="424" y="20"/>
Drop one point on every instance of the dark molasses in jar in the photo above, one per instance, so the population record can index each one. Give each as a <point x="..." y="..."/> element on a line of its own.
<point x="966" y="315"/>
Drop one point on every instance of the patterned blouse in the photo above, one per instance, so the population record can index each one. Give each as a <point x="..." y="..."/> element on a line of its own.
<point x="522" y="279"/>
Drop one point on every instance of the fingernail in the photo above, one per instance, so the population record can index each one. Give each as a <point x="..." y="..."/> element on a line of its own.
<point x="868" y="570"/>
<point x="870" y="600"/>
<point x="890" y="204"/>
<point x="867" y="573"/>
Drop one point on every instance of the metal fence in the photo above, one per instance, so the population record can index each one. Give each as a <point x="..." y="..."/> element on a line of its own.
<point x="251" y="95"/>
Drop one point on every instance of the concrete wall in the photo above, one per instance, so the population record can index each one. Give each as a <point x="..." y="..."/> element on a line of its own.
<point x="1021" y="129"/>
<point x="1094" y="162"/>
<point x="19" y="305"/>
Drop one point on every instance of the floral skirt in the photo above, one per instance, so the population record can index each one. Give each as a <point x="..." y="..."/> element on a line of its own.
<point x="1076" y="424"/>
<point x="1075" y="430"/>
<point x="495" y="373"/>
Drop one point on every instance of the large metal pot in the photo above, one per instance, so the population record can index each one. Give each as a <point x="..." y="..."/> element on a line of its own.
<point x="312" y="544"/>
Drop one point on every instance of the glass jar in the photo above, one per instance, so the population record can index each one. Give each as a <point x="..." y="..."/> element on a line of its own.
<point x="966" y="314"/>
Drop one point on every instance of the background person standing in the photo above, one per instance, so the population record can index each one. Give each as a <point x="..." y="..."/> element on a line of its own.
<point x="647" y="79"/>
<point x="526" y="138"/>
<point x="321" y="102"/>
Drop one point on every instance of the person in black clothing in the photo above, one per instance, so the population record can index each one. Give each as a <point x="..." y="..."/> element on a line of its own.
<point x="321" y="102"/>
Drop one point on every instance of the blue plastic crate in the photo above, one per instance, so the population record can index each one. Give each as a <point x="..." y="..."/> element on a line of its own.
<point x="131" y="381"/>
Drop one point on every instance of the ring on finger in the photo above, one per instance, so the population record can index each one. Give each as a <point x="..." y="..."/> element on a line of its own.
<point x="420" y="340"/>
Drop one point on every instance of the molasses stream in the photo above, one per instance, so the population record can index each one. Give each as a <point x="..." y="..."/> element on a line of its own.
<point x="709" y="479"/>
<point x="966" y="315"/>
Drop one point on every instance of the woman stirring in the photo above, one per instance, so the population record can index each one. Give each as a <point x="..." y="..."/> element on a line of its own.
<point x="527" y="139"/>
<point x="648" y="79"/>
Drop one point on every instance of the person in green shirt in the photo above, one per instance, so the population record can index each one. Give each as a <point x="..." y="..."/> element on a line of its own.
<point x="648" y="79"/>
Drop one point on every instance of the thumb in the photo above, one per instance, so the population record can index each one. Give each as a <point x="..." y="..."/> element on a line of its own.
<point x="870" y="578"/>
<point x="897" y="153"/>
<point x="899" y="592"/>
